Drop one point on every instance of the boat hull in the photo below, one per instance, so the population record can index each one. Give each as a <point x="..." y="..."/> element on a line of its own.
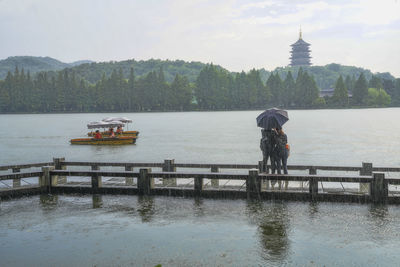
<point x="125" y="133"/>
<point x="123" y="140"/>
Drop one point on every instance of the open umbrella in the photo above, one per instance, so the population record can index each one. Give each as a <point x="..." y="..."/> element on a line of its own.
<point x="272" y="118"/>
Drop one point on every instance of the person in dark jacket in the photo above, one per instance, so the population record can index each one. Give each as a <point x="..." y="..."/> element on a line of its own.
<point x="282" y="149"/>
<point x="266" y="146"/>
<point x="282" y="153"/>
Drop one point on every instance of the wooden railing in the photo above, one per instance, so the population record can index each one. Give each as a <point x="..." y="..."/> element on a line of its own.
<point x="52" y="178"/>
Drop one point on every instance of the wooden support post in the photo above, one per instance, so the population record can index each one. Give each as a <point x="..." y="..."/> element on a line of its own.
<point x="128" y="180"/>
<point x="96" y="179"/>
<point x="144" y="182"/>
<point x="313" y="184"/>
<point x="16" y="182"/>
<point x="366" y="170"/>
<point x="169" y="166"/>
<point x="214" y="182"/>
<point x="312" y="171"/>
<point x="262" y="168"/>
<point x="59" y="166"/>
<point x="45" y="181"/>
<point x="253" y="184"/>
<point x="96" y="182"/>
<point x="379" y="188"/>
<point x="198" y="185"/>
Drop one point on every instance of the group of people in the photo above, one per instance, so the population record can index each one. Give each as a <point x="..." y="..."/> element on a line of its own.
<point x="111" y="133"/>
<point x="274" y="147"/>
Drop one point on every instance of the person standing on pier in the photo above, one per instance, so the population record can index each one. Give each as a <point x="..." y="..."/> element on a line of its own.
<point x="282" y="153"/>
<point x="266" y="145"/>
<point x="282" y="148"/>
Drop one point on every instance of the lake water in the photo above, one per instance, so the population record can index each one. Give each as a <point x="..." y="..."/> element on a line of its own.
<point x="317" y="137"/>
<point x="130" y="230"/>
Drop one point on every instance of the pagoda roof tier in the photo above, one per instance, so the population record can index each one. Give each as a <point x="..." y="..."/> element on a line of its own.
<point x="300" y="51"/>
<point x="300" y="54"/>
<point x="307" y="63"/>
<point x="300" y="42"/>
<point x="299" y="58"/>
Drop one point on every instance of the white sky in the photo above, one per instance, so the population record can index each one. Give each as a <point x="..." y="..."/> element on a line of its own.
<point x="236" y="34"/>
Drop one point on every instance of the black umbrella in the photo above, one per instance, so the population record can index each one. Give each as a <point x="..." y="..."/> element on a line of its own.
<point x="272" y="118"/>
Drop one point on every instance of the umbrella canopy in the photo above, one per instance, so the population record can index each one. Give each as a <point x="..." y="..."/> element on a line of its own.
<point x="121" y="119"/>
<point x="272" y="118"/>
<point x="103" y="124"/>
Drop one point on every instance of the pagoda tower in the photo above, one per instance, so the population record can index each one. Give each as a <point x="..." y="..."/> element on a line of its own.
<point x="300" y="54"/>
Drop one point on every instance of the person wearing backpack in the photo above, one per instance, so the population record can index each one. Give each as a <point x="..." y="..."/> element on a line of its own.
<point x="283" y="149"/>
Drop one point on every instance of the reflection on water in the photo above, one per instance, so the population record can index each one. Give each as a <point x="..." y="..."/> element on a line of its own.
<point x="272" y="226"/>
<point x="198" y="207"/>
<point x="48" y="201"/>
<point x="97" y="201"/>
<point x="146" y="207"/>
<point x="149" y="230"/>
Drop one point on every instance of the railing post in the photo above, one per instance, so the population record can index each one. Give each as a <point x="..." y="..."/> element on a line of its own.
<point x="214" y="182"/>
<point x="45" y="181"/>
<point x="96" y="179"/>
<point x="366" y="170"/>
<point x="58" y="166"/>
<point x="379" y="188"/>
<point x="169" y="166"/>
<point x="16" y="182"/>
<point x="96" y="182"/>
<point x="128" y="180"/>
<point x="261" y="169"/>
<point x="144" y="182"/>
<point x="198" y="185"/>
<point x="253" y="184"/>
<point x="313" y="183"/>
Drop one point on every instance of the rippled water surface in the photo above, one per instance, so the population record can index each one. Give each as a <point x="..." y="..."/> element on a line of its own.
<point x="145" y="231"/>
<point x="317" y="137"/>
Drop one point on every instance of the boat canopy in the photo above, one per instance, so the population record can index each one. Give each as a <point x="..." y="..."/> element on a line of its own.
<point x="121" y="119"/>
<point x="103" y="124"/>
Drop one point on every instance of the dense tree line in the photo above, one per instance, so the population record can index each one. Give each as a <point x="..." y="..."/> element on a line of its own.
<point x="324" y="76"/>
<point x="359" y="92"/>
<point x="213" y="89"/>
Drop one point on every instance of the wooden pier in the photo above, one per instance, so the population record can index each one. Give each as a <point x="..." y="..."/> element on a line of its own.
<point x="162" y="179"/>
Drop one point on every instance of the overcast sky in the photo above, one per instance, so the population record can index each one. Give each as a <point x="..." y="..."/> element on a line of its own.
<point x="237" y="34"/>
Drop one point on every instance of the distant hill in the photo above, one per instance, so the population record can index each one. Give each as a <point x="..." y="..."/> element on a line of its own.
<point x="79" y="62"/>
<point x="326" y="76"/>
<point x="93" y="72"/>
<point x="34" y="64"/>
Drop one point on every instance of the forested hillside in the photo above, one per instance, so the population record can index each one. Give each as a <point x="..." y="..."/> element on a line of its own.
<point x="157" y="85"/>
<point x="326" y="76"/>
<point x="94" y="71"/>
<point x="213" y="89"/>
<point x="31" y="64"/>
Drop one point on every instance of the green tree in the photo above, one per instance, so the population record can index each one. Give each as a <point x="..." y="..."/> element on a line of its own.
<point x="340" y="95"/>
<point x="360" y="91"/>
<point x="375" y="82"/>
<point x="307" y="92"/>
<point x="377" y="97"/>
<point x="275" y="86"/>
<point x="181" y="94"/>
<point x="289" y="88"/>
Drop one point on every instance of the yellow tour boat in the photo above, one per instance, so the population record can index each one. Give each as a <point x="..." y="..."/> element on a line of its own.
<point x="106" y="133"/>
<point x="105" y="139"/>
<point x="122" y="140"/>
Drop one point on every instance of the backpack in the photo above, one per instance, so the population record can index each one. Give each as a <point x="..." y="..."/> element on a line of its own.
<point x="287" y="147"/>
